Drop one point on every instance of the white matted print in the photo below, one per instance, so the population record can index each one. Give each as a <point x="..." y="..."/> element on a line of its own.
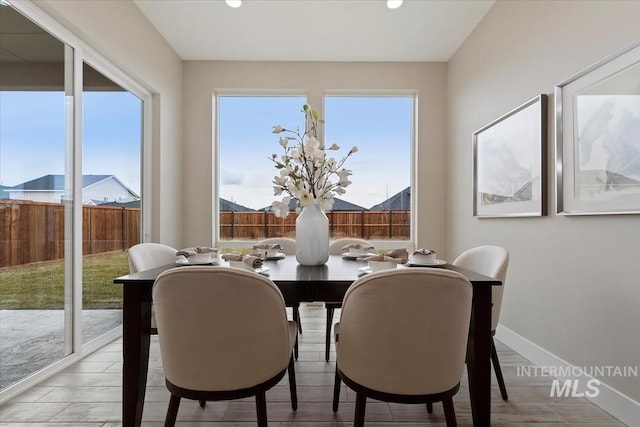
<point x="509" y="163"/>
<point x="598" y="138"/>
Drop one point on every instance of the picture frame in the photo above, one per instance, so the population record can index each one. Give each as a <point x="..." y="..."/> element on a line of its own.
<point x="598" y="137"/>
<point x="509" y="163"/>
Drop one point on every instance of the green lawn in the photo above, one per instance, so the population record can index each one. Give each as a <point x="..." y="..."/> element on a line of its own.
<point x="41" y="286"/>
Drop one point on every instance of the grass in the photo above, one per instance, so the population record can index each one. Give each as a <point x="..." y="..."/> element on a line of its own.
<point x="41" y="286"/>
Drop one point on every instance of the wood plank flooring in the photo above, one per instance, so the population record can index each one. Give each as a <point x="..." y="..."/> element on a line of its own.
<point x="88" y="394"/>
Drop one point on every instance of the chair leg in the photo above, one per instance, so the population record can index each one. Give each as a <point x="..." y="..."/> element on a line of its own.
<point x="361" y="406"/>
<point x="295" y="348"/>
<point x="430" y="407"/>
<point x="498" y="371"/>
<point x="296" y="317"/>
<point x="172" y="411"/>
<point x="336" y="391"/>
<point x="328" y="339"/>
<point x="292" y="384"/>
<point x="203" y="403"/>
<point x="261" y="409"/>
<point x="449" y="412"/>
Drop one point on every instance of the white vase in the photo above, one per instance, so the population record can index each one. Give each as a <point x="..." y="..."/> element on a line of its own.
<point x="312" y="236"/>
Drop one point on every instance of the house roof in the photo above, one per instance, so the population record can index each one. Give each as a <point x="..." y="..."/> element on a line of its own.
<point x="56" y="182"/>
<point x="338" y="205"/>
<point x="398" y="202"/>
<point x="228" y="206"/>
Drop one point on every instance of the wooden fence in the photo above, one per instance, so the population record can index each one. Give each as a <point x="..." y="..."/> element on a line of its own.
<point x="370" y="225"/>
<point x="34" y="231"/>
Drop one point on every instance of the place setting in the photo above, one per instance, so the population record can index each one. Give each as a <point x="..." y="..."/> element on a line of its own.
<point x="355" y="250"/>
<point x="425" y="258"/>
<point x="249" y="262"/>
<point x="384" y="261"/>
<point x="274" y="251"/>
<point x="198" y="255"/>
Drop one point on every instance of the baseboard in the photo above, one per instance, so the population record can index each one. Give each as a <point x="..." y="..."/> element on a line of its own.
<point x="615" y="403"/>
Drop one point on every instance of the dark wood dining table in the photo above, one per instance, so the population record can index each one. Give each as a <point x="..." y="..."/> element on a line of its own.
<point x="325" y="283"/>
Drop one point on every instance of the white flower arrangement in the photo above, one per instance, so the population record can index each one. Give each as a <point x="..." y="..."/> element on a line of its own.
<point x="306" y="174"/>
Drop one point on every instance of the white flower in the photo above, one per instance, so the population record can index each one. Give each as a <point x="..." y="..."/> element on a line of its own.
<point x="326" y="203"/>
<point x="281" y="209"/>
<point x="304" y="197"/>
<point x="306" y="174"/>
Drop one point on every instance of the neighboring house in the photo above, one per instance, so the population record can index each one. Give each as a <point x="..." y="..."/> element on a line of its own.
<point x="50" y="188"/>
<point x="398" y="202"/>
<point x="228" y="206"/>
<point x="338" y="205"/>
<point x="3" y="193"/>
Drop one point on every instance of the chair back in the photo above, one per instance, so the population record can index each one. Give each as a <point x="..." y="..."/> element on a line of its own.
<point x="145" y="256"/>
<point x="220" y="328"/>
<point x="288" y="245"/>
<point x="491" y="261"/>
<point x="335" y="246"/>
<point x="405" y="331"/>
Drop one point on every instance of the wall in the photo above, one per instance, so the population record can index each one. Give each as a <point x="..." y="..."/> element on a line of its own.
<point x="201" y="78"/>
<point x="573" y="285"/>
<point x="120" y="32"/>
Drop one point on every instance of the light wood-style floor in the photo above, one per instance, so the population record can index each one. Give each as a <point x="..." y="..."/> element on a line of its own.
<point x="89" y="393"/>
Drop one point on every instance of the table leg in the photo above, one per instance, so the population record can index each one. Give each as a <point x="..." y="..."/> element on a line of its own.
<point x="136" y="321"/>
<point x="479" y="357"/>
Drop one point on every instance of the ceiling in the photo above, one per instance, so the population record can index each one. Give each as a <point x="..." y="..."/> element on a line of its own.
<point x="315" y="30"/>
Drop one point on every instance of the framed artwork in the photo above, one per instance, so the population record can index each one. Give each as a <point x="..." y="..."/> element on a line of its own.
<point x="598" y="137"/>
<point x="509" y="163"/>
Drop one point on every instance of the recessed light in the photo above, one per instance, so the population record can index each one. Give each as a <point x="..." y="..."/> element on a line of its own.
<point x="233" y="3"/>
<point x="394" y="4"/>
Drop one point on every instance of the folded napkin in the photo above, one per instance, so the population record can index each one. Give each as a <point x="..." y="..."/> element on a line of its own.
<point x="251" y="260"/>
<point x="356" y="246"/>
<point x="187" y="252"/>
<point x="399" y="256"/>
<point x="268" y="246"/>
<point x="425" y="252"/>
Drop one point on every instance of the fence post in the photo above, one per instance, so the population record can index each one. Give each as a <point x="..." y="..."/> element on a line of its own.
<point x="233" y="224"/>
<point x="390" y="224"/>
<point x="123" y="220"/>
<point x="362" y="224"/>
<point x="266" y="230"/>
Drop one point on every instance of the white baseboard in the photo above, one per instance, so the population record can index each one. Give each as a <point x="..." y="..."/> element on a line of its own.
<point x="615" y="403"/>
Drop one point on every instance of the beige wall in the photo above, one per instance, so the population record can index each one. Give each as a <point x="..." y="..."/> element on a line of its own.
<point x="119" y="31"/>
<point x="573" y="285"/>
<point x="202" y="78"/>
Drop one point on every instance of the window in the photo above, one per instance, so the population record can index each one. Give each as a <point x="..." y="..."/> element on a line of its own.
<point x="376" y="206"/>
<point x="382" y="128"/>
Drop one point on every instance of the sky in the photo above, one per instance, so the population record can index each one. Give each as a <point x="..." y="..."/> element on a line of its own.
<point x="32" y="148"/>
<point x="379" y="126"/>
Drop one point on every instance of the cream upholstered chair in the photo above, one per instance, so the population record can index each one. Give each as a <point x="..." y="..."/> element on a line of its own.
<point x="145" y="256"/>
<point x="335" y="248"/>
<point x="491" y="261"/>
<point x="402" y="337"/>
<point x="224" y="335"/>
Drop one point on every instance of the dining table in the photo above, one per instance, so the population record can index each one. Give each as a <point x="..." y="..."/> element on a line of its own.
<point x="298" y="284"/>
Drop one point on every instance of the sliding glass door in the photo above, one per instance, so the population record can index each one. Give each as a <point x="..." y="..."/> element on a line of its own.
<point x="71" y="132"/>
